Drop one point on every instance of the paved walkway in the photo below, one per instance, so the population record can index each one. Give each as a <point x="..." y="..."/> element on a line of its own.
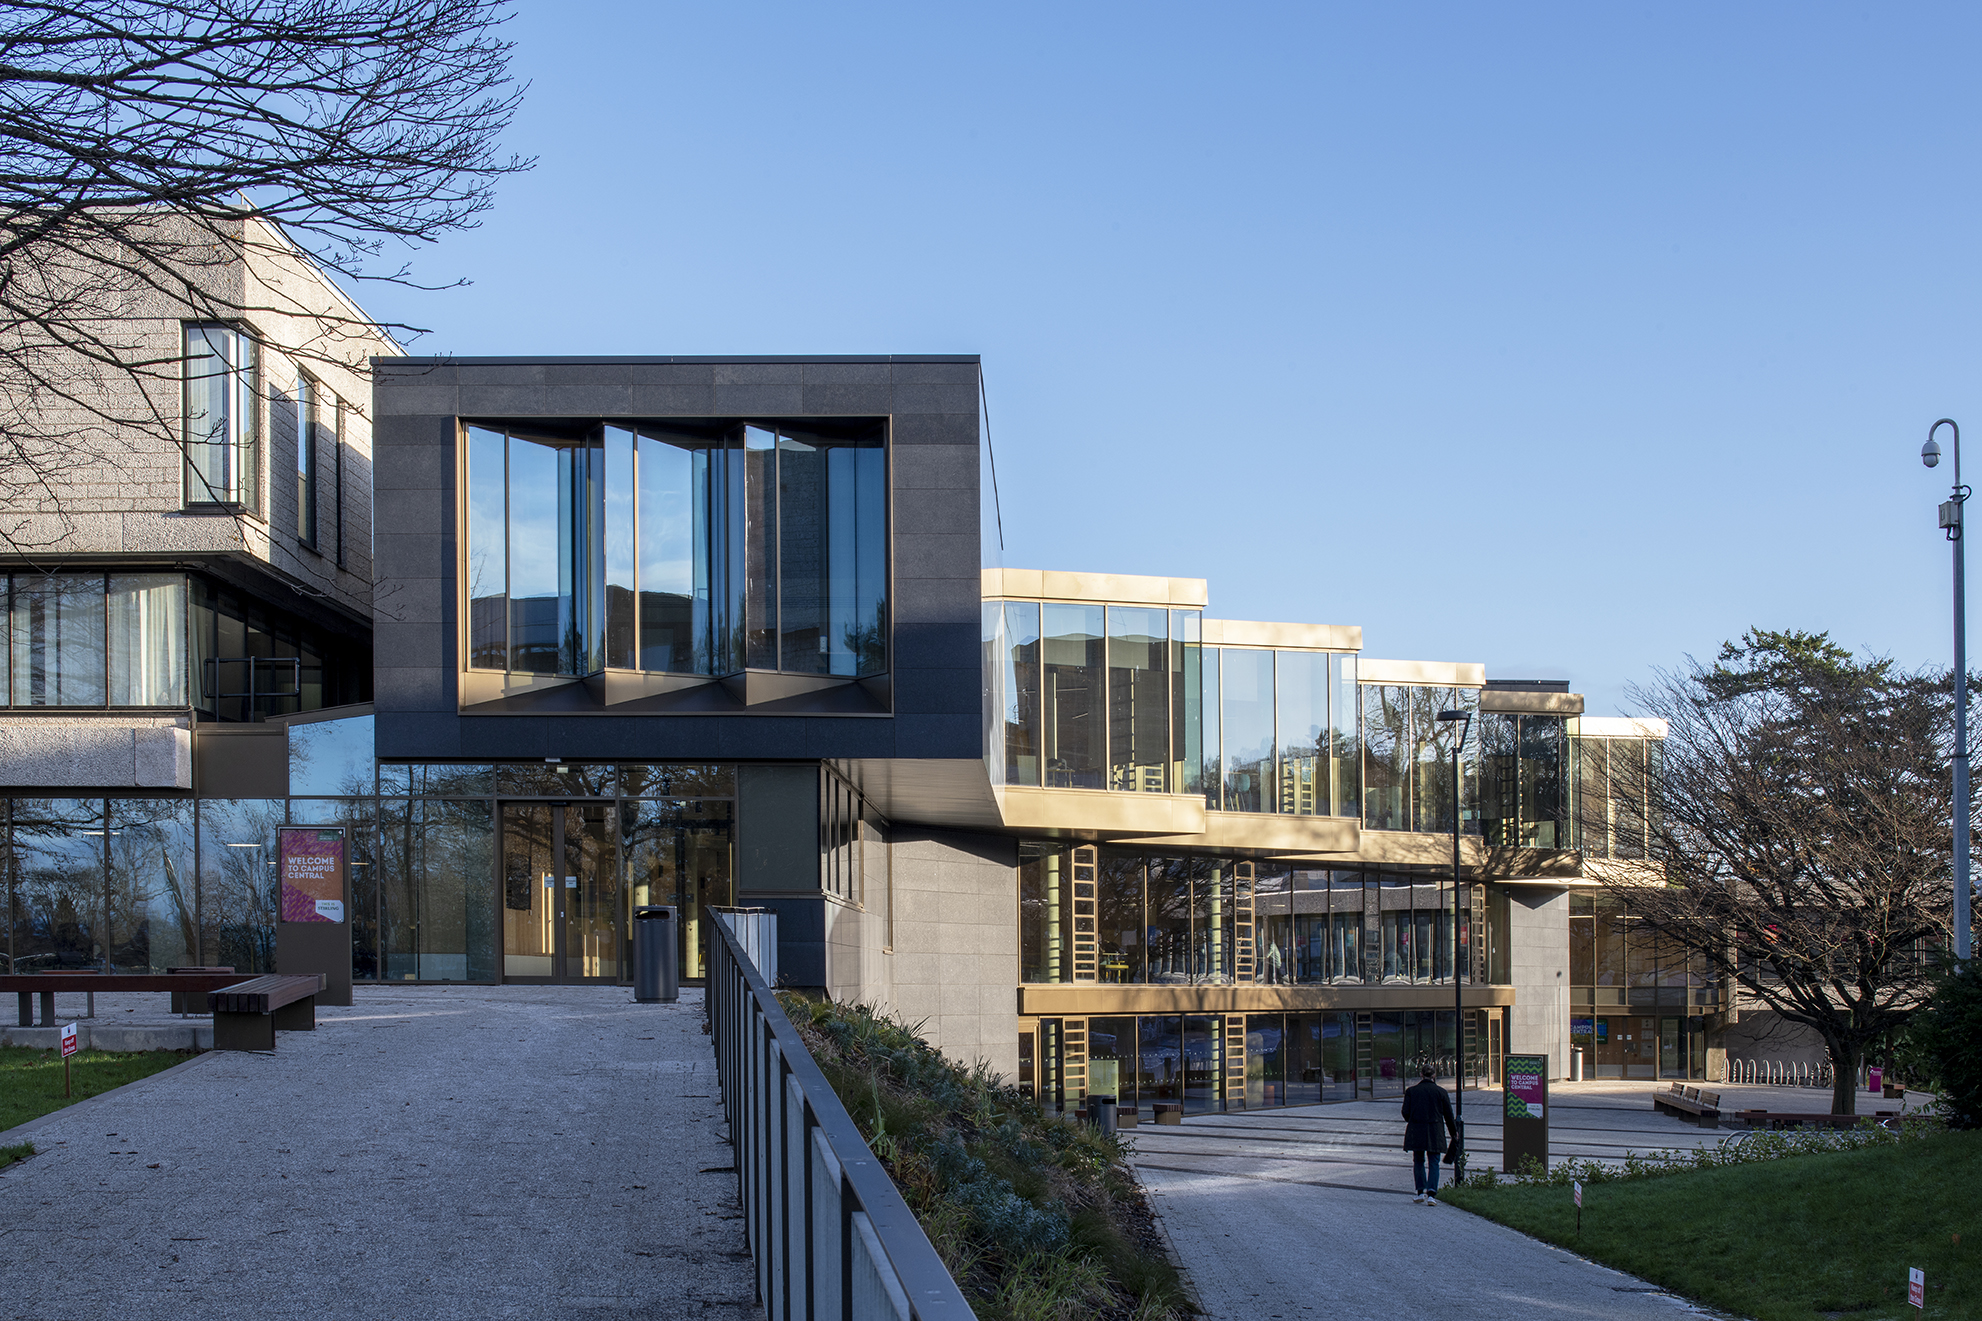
<point x="1307" y="1212"/>
<point x="429" y="1153"/>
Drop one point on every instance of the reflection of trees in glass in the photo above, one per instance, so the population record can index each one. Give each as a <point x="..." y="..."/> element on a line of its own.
<point x="154" y="901"/>
<point x="59" y="899"/>
<point x="238" y="883"/>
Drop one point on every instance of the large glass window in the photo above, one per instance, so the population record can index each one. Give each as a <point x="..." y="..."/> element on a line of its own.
<point x="1072" y="646"/>
<point x="251" y="661"/>
<point x="1186" y="703"/>
<point x="1301" y="707"/>
<point x="222" y="420"/>
<point x="154" y="901"/>
<point x="1247" y="729"/>
<point x="1407" y="758"/>
<point x="1138" y="699"/>
<point x="57" y="631"/>
<point x="1018" y="700"/>
<point x="306" y="461"/>
<point x="679" y="549"/>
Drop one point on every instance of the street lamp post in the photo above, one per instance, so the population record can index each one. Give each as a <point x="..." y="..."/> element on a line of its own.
<point x="1465" y="719"/>
<point x="1930" y="454"/>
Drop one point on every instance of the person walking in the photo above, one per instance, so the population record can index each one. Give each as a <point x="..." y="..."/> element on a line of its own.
<point x="1427" y="1122"/>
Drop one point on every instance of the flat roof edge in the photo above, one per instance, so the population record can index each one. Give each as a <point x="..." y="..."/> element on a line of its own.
<point x="695" y="359"/>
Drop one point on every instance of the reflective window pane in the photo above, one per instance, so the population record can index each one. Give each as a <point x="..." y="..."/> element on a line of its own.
<point x="1019" y="700"/>
<point x="1186" y="703"/>
<point x="57" y="639"/>
<point x="617" y="492"/>
<point x="760" y="548"/>
<point x="1138" y="699"/>
<point x="1073" y="664"/>
<point x="488" y="627"/>
<point x="331" y="757"/>
<point x="1301" y="726"/>
<point x="239" y="900"/>
<point x="676" y="552"/>
<point x="1346" y="759"/>
<point x="1386" y="757"/>
<point x="536" y="608"/>
<point x="154" y="903"/>
<point x="59" y="913"/>
<point x="1209" y="708"/>
<point x="1248" y="729"/>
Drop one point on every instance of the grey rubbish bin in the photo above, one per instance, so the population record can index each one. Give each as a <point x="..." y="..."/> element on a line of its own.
<point x="656" y="955"/>
<point x="1101" y="1112"/>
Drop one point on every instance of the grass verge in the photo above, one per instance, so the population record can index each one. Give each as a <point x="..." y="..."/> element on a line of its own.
<point x="1038" y="1219"/>
<point x="31" y="1080"/>
<point x="1823" y="1236"/>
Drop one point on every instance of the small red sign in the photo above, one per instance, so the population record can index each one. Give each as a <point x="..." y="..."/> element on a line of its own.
<point x="1579" y="1193"/>
<point x="1916" y="1287"/>
<point x="68" y="1040"/>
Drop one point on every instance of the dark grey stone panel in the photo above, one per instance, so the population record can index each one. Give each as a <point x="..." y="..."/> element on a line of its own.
<point x="933" y="511"/>
<point x="940" y="735"/>
<point x="546" y="401"/>
<point x="760" y="373"/>
<point x="486" y="373"/>
<point x="935" y="429"/>
<point x="496" y="738"/>
<point x="848" y="373"/>
<point x="418" y="734"/>
<point x="673" y="400"/>
<point x="937" y="555"/>
<point x="936" y="468"/>
<point x="845" y="400"/>
<point x="917" y="398"/>
<point x="777" y="840"/>
<point x="759" y="400"/>
<point x="938" y="600"/>
<point x="930" y="691"/>
<point x="590" y="373"/>
<point x="397" y="645"/>
<point x="413" y="688"/>
<point x="801" y="934"/>
<point x="412" y="601"/>
<point x="935" y="646"/>
<point x="406" y="464"/>
<point x="391" y="372"/>
<point x="937" y="373"/>
<point x="674" y="373"/>
<point x="414" y="509"/>
<point x="413" y="555"/>
<point x="409" y="400"/>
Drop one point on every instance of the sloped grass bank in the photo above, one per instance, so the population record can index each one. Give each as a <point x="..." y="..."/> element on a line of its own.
<point x="1038" y="1219"/>
<point x="31" y="1080"/>
<point x="1809" y="1238"/>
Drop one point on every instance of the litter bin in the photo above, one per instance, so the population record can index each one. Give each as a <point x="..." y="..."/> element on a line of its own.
<point x="1575" y="1064"/>
<point x="1101" y="1112"/>
<point x="656" y="955"/>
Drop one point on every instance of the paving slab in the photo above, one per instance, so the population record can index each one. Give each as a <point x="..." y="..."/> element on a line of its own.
<point x="434" y="1153"/>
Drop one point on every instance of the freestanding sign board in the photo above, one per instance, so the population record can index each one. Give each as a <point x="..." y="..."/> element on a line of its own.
<point x="314" y="933"/>
<point x="68" y="1040"/>
<point x="1524" y="1118"/>
<point x="1916" y="1287"/>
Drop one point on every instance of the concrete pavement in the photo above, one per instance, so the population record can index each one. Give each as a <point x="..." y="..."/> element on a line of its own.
<point x="430" y="1152"/>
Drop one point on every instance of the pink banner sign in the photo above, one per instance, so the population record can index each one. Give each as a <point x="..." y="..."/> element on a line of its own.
<point x="311" y="862"/>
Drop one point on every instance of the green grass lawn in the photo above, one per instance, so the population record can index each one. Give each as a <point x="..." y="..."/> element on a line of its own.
<point x="31" y="1080"/>
<point x="1821" y="1236"/>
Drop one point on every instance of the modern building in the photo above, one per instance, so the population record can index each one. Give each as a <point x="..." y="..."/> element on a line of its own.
<point x="715" y="632"/>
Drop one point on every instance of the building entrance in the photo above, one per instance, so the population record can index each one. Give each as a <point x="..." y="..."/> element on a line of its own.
<point x="560" y="902"/>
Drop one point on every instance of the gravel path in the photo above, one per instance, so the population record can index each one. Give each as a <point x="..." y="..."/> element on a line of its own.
<point x="428" y="1153"/>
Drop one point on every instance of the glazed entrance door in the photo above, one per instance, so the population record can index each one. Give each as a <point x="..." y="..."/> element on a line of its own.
<point x="560" y="919"/>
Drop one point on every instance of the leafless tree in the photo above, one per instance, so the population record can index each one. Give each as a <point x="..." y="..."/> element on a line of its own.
<point x="146" y="146"/>
<point x="1800" y="836"/>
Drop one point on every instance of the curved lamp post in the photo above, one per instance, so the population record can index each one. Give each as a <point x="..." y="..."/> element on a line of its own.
<point x="1458" y="994"/>
<point x="1930" y="454"/>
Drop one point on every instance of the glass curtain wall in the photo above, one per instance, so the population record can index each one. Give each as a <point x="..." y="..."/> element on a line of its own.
<point x="1407" y="758"/>
<point x="678" y="549"/>
<point x="1524" y="798"/>
<point x="1280" y="732"/>
<point x="1174" y="921"/>
<point x="1093" y="697"/>
<point x="1608" y="778"/>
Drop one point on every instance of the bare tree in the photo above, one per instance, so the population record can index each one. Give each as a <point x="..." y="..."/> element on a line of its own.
<point x="1799" y="838"/>
<point x="147" y="146"/>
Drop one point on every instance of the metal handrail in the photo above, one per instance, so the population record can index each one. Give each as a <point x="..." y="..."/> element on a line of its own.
<point x="831" y="1237"/>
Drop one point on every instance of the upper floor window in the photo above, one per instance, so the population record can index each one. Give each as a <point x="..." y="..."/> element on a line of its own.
<point x="87" y="639"/>
<point x="683" y="548"/>
<point x="1407" y="758"/>
<point x="223" y="460"/>
<point x="306" y="461"/>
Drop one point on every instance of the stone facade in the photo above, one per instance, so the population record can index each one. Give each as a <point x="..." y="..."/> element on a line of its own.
<point x="1538" y="967"/>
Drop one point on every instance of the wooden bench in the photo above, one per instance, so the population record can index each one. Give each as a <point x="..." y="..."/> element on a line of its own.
<point x="46" y="984"/>
<point x="246" y="1016"/>
<point x="1168" y="1112"/>
<point x="1787" y="1119"/>
<point x="1703" y="1108"/>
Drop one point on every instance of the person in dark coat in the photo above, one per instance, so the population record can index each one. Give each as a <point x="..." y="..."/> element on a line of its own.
<point x="1427" y="1121"/>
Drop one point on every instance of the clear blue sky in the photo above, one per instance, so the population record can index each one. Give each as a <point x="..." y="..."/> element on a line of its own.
<point x="1568" y="338"/>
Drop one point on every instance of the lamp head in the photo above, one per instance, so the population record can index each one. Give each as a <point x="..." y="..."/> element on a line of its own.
<point x="1930" y="453"/>
<point x="1455" y="715"/>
